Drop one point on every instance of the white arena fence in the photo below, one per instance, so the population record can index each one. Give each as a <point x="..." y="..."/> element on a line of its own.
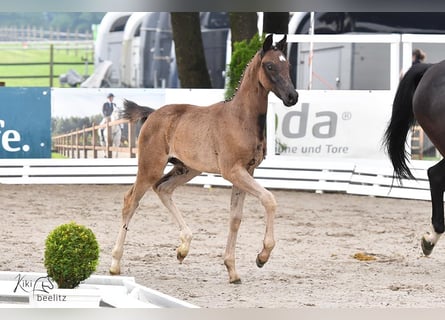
<point x="359" y="177"/>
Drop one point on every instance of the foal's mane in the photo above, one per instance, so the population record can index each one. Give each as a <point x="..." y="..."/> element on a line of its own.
<point x="246" y="68"/>
<point x="260" y="53"/>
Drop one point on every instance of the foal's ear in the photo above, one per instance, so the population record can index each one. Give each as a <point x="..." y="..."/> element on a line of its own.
<point x="267" y="43"/>
<point x="282" y="45"/>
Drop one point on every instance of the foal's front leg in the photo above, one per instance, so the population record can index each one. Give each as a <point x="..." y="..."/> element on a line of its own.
<point x="236" y="213"/>
<point x="243" y="180"/>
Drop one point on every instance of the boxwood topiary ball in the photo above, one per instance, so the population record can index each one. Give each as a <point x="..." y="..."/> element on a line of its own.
<point x="71" y="254"/>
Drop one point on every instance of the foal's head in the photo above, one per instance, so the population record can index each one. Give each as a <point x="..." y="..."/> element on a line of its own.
<point x="274" y="72"/>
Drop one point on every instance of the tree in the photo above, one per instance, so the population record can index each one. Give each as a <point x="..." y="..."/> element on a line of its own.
<point x="189" y="50"/>
<point x="190" y="58"/>
<point x="276" y="22"/>
<point x="243" y="26"/>
<point x="241" y="55"/>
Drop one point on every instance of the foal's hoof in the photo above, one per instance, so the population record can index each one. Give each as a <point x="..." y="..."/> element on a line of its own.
<point x="114" y="272"/>
<point x="259" y="263"/>
<point x="181" y="253"/>
<point x="180" y="256"/>
<point x="427" y="247"/>
<point x="236" y="281"/>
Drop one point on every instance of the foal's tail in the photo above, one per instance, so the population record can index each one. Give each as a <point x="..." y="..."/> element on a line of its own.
<point x="135" y="112"/>
<point x="402" y="119"/>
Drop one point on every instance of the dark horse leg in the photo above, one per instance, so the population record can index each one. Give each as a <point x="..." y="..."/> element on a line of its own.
<point x="436" y="176"/>
<point x="420" y="96"/>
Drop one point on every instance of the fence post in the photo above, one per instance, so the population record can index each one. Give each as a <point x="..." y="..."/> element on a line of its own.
<point x="77" y="144"/>
<point x="67" y="146"/>
<point x="76" y="36"/>
<point x="109" y="140"/>
<point x="51" y="64"/>
<point x="131" y="138"/>
<point x="72" y="143"/>
<point x="85" y="150"/>
<point x="93" y="140"/>
<point x="63" y="146"/>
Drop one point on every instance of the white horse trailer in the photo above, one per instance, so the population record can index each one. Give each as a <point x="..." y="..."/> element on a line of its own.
<point x="356" y="66"/>
<point x="158" y="55"/>
<point x="141" y="49"/>
<point x="345" y="66"/>
<point x="108" y="45"/>
<point x="131" y="48"/>
<point x="157" y="52"/>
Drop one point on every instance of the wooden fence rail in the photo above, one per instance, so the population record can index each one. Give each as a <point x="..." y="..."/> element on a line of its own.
<point x="39" y="34"/>
<point x="85" y="47"/>
<point x="84" y="143"/>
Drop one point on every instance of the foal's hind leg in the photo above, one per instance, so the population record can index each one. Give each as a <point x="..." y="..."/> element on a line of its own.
<point x="436" y="176"/>
<point x="148" y="173"/>
<point x="164" y="188"/>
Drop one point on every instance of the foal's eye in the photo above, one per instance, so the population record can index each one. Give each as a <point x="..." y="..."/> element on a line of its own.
<point x="269" y="66"/>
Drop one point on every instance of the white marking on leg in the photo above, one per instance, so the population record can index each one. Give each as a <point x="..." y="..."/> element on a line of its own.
<point x="432" y="236"/>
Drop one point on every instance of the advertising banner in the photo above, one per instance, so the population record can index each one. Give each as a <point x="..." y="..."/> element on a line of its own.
<point x="25" y="122"/>
<point x="326" y="124"/>
<point x="332" y="124"/>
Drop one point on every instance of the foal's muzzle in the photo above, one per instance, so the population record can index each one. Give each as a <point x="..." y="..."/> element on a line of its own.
<point x="290" y="99"/>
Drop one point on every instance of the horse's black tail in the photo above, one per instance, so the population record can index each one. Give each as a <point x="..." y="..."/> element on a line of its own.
<point x="135" y="112"/>
<point x="402" y="119"/>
